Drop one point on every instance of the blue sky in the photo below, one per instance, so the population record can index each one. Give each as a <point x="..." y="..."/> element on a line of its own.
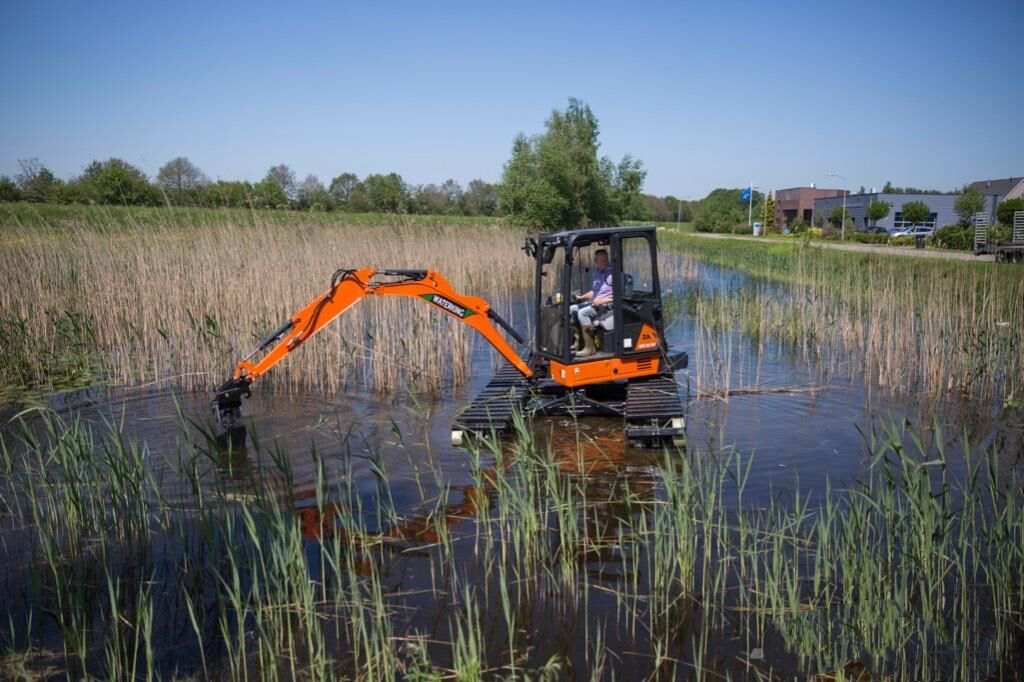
<point x="706" y="94"/>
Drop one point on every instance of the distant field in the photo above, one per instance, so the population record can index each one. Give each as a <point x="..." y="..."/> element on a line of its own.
<point x="49" y="215"/>
<point x="683" y="227"/>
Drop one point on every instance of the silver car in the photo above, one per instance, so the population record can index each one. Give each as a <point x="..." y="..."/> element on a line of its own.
<point x="916" y="231"/>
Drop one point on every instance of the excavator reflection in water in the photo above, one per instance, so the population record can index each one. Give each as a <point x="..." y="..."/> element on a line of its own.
<point x="598" y="460"/>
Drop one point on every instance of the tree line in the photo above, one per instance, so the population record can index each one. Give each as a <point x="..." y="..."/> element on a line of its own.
<point x="179" y="182"/>
<point x="554" y="179"/>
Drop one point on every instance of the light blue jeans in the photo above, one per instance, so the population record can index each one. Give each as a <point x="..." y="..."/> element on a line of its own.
<point x="585" y="313"/>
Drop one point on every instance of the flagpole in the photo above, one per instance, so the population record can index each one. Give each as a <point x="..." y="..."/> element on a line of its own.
<point x="750" y="203"/>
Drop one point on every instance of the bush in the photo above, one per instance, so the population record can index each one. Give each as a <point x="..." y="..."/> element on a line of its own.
<point x="956" y="237"/>
<point x="815" y="232"/>
<point x="118" y="182"/>
<point x="8" y="190"/>
<point x="868" y="237"/>
<point x="1000" y="234"/>
<point x="901" y="241"/>
<point x="723" y="210"/>
<point x="72" y="192"/>
<point x="1006" y="209"/>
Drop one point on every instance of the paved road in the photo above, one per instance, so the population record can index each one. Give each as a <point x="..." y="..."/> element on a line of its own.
<point x="864" y="248"/>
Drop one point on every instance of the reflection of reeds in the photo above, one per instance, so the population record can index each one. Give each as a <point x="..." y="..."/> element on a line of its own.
<point x="530" y="570"/>
<point x="907" y="324"/>
<point x="183" y="300"/>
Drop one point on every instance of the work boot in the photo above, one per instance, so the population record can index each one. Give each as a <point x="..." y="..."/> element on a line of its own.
<point x="588" y="343"/>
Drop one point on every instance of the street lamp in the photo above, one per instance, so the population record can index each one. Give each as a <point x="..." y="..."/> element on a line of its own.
<point x="679" y="210"/>
<point x="842" y="225"/>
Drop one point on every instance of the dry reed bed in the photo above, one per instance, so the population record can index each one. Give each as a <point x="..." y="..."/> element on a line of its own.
<point x="908" y="327"/>
<point x="181" y="304"/>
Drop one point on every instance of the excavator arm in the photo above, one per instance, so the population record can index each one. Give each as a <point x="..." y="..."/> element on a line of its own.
<point x="347" y="287"/>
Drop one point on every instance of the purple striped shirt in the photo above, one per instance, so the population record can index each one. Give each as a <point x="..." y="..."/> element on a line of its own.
<point x="602" y="283"/>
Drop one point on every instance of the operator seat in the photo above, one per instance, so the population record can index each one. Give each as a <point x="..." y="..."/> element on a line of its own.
<point x="606" y="321"/>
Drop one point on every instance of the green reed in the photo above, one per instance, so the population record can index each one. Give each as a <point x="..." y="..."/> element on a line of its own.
<point x="906" y="324"/>
<point x="664" y="570"/>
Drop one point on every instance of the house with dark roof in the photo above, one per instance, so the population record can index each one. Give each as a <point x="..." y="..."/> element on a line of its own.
<point x="1006" y="188"/>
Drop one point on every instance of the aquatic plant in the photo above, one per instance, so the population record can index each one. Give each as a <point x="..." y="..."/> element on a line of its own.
<point x="546" y="561"/>
<point x="908" y="325"/>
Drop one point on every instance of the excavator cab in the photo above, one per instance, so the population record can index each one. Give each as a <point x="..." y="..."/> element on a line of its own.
<point x="629" y="333"/>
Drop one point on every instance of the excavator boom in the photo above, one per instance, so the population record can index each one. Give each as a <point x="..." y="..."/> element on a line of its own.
<point x="347" y="287"/>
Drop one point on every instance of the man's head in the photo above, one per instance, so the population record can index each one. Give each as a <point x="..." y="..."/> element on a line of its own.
<point x="601" y="259"/>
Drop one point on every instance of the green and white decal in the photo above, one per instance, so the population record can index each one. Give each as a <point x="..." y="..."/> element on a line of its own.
<point x="447" y="306"/>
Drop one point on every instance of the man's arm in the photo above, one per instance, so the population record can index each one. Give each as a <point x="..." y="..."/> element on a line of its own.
<point x="606" y="299"/>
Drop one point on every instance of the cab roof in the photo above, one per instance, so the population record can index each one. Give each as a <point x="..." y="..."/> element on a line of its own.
<point x="570" y="236"/>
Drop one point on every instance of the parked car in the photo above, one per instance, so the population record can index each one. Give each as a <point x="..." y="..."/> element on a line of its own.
<point x="916" y="231"/>
<point x="874" y="229"/>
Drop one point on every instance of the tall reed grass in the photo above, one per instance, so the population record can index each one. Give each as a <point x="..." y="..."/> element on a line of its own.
<point x="179" y="300"/>
<point x="908" y="325"/>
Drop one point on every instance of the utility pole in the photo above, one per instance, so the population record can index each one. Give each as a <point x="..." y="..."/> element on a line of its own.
<point x="842" y="226"/>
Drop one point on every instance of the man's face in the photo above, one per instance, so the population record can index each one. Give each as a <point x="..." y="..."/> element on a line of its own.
<point x="601" y="261"/>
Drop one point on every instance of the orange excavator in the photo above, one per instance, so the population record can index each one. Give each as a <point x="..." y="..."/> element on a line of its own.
<point x="612" y="360"/>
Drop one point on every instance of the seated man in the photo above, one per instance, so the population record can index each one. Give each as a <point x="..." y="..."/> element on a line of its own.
<point x="590" y="305"/>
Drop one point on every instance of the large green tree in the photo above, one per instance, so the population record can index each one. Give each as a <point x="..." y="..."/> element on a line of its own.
<point x="480" y="198"/>
<point x="341" y="187"/>
<point x="877" y="210"/>
<point x="429" y="199"/>
<point x="556" y="179"/>
<point x="1006" y="209"/>
<point x="723" y="210"/>
<point x="283" y="178"/>
<point x="916" y="212"/>
<point x="385" y="193"/>
<point x="116" y="181"/>
<point x="270" y="194"/>
<point x="836" y="216"/>
<point x="968" y="203"/>
<point x="680" y="209"/>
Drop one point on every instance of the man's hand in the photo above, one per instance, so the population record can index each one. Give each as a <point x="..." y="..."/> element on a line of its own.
<point x="602" y="301"/>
